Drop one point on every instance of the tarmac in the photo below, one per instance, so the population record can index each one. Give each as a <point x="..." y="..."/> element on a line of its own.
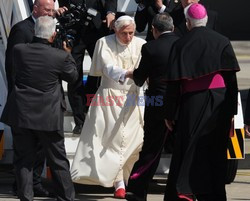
<point x="239" y="190"/>
<point x="236" y="191"/>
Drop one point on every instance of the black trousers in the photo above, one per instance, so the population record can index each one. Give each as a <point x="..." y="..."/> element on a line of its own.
<point x="25" y="141"/>
<point x="77" y="91"/>
<point x="145" y="167"/>
<point x="39" y="162"/>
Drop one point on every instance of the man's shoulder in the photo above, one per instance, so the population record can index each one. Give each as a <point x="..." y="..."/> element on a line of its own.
<point x="41" y="47"/>
<point x="58" y="51"/>
<point x="105" y="40"/>
<point x="23" y="23"/>
<point x="51" y="50"/>
<point x="108" y="37"/>
<point x="23" y="28"/>
<point x="165" y="38"/>
<point x="205" y="34"/>
<point x="139" y="40"/>
<point x="213" y="35"/>
<point x="20" y="46"/>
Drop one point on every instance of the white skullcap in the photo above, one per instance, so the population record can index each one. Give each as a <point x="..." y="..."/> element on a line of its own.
<point x="125" y="18"/>
<point x="122" y="21"/>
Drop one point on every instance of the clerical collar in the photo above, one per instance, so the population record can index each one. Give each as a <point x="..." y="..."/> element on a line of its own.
<point x="166" y="32"/>
<point x="40" y="40"/>
<point x="120" y="43"/>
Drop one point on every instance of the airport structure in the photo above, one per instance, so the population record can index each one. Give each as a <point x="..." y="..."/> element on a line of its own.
<point x="233" y="17"/>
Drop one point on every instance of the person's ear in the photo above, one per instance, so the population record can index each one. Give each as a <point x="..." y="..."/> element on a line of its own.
<point x="152" y="28"/>
<point x="155" y="32"/>
<point x="52" y="38"/>
<point x="34" y="11"/>
<point x="54" y="35"/>
<point x="188" y="24"/>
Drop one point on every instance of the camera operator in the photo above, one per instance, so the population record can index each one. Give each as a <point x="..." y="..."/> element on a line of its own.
<point x="146" y="11"/>
<point x="23" y="32"/>
<point x="86" y="37"/>
<point x="35" y="107"/>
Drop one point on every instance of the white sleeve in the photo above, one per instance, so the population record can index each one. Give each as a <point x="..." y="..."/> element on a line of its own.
<point x="115" y="73"/>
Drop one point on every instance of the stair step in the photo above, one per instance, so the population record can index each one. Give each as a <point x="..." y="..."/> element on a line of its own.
<point x="71" y="144"/>
<point x="70" y="157"/>
<point x="71" y="135"/>
<point x="164" y="164"/>
<point x="69" y="124"/>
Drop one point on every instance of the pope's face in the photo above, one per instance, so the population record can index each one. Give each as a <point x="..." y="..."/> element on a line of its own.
<point x="126" y="34"/>
<point x="185" y="3"/>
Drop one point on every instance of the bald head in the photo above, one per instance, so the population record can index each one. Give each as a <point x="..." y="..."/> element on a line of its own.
<point x="43" y="8"/>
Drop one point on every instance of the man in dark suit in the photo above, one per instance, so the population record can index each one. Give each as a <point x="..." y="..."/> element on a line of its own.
<point x="34" y="109"/>
<point x="152" y="67"/>
<point x="23" y="32"/>
<point x="146" y="11"/>
<point x="86" y="38"/>
<point x="178" y="16"/>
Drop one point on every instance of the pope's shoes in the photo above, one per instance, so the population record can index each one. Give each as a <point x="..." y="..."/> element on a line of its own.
<point x="120" y="193"/>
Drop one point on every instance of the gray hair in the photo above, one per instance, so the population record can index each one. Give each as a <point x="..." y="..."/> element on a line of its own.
<point x="123" y="21"/>
<point x="163" y="22"/>
<point x="45" y="27"/>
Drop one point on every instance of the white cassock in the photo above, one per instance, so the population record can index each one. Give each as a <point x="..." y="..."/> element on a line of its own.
<point x="112" y="134"/>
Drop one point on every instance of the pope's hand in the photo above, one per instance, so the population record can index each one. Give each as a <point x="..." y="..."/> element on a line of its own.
<point x="129" y="74"/>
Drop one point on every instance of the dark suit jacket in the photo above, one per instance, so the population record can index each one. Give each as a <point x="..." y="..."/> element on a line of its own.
<point x="36" y="101"/>
<point x="180" y="22"/>
<point x="110" y="5"/>
<point x="155" y="55"/>
<point x="22" y="32"/>
<point x="144" y="17"/>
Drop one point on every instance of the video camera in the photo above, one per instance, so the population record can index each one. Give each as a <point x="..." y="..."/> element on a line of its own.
<point x="76" y="15"/>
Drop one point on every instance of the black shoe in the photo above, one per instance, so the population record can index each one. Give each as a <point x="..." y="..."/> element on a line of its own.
<point x="132" y="197"/>
<point x="41" y="192"/>
<point x="77" y="130"/>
